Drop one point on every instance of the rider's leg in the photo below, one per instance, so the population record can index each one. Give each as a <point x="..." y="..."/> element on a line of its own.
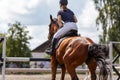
<point x="60" y="33"/>
<point x="55" y="39"/>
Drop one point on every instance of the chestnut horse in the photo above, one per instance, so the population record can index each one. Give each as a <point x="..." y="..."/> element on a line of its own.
<point x="74" y="51"/>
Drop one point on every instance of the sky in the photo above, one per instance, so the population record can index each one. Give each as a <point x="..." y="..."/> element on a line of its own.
<point x="35" y="15"/>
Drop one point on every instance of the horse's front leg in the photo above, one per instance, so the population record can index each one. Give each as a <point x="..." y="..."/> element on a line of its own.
<point x="53" y="67"/>
<point x="63" y="72"/>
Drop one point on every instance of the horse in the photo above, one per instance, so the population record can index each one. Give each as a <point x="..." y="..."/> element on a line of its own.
<point x="74" y="51"/>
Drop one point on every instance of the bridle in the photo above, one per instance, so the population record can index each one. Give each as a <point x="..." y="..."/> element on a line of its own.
<point x="55" y="22"/>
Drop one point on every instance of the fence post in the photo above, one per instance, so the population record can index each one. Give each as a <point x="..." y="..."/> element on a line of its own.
<point x="4" y="58"/>
<point x="111" y="59"/>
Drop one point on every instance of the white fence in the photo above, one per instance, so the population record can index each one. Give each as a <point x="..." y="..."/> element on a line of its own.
<point x="111" y="61"/>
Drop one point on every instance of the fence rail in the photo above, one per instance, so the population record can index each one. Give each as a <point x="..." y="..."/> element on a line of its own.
<point x="25" y="59"/>
<point x="24" y="70"/>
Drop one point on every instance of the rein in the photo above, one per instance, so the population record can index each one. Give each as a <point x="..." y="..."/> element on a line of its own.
<point x="57" y="25"/>
<point x="54" y="29"/>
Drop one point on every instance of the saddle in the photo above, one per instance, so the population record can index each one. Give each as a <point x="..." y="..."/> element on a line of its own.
<point x="71" y="33"/>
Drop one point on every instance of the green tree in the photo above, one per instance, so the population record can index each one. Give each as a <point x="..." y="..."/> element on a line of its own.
<point x="18" y="41"/>
<point x="109" y="18"/>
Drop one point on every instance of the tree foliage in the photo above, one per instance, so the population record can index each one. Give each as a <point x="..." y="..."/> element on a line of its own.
<point x="18" y="41"/>
<point x="109" y="18"/>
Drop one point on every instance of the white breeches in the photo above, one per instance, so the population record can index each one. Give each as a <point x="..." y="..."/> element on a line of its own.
<point x="66" y="28"/>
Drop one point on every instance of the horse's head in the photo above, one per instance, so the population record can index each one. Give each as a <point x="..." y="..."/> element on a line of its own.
<point x="100" y="53"/>
<point x="53" y="27"/>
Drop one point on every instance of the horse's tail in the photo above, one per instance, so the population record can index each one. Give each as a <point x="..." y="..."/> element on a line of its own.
<point x="99" y="52"/>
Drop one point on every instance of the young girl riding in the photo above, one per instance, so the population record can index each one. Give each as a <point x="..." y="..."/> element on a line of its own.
<point x="66" y="22"/>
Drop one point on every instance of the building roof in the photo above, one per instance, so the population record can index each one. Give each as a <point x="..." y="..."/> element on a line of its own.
<point x="42" y="47"/>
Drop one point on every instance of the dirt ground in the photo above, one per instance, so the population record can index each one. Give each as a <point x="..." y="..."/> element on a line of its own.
<point x="39" y="77"/>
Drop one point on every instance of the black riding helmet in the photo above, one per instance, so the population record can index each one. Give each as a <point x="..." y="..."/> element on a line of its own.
<point x="63" y="2"/>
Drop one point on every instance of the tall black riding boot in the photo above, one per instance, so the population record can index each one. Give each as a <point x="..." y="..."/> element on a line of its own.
<point x="52" y="50"/>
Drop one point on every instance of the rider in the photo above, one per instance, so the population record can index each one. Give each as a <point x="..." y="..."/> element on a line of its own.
<point x="69" y="20"/>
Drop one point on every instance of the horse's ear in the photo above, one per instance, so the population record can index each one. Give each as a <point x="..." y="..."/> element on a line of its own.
<point x="51" y="18"/>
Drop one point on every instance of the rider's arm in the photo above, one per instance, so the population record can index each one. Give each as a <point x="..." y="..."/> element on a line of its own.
<point x="75" y="19"/>
<point x="59" y="21"/>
